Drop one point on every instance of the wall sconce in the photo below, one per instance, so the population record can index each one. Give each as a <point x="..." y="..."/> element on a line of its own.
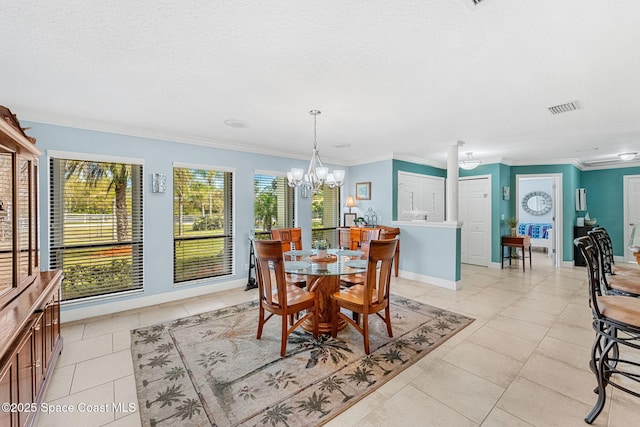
<point x="158" y="183"/>
<point x="581" y="199"/>
<point x="506" y="193"/>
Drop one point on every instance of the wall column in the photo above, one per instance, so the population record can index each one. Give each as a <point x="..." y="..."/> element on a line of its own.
<point x="452" y="183"/>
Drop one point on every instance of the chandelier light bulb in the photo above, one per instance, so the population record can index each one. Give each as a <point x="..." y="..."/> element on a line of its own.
<point x="317" y="175"/>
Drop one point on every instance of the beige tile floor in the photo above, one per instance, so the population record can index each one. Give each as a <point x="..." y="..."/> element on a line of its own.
<point x="523" y="362"/>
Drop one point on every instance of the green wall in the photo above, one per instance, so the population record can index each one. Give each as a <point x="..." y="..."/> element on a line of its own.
<point x="604" y="197"/>
<point x="605" y="201"/>
<point x="570" y="181"/>
<point x="500" y="177"/>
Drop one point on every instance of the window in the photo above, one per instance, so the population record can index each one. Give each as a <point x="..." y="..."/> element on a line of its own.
<point x="202" y="224"/>
<point x="325" y="215"/>
<point x="273" y="204"/>
<point x="96" y="226"/>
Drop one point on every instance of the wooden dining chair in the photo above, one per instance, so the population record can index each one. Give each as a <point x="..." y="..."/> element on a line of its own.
<point x="365" y="238"/>
<point x="277" y="296"/>
<point x="362" y="237"/>
<point x="291" y="239"/>
<point x="372" y="296"/>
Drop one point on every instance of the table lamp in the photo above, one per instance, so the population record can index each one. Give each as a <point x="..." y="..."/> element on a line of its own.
<point x="350" y="203"/>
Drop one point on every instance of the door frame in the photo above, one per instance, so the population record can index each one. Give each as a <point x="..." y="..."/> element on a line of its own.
<point x="625" y="215"/>
<point x="489" y="238"/>
<point x="558" y="208"/>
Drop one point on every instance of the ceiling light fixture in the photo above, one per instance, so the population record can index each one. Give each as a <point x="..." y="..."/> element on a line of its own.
<point x="317" y="175"/>
<point x="627" y="156"/>
<point x="469" y="163"/>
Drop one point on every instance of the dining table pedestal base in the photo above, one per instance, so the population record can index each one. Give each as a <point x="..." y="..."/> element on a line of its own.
<point x="324" y="286"/>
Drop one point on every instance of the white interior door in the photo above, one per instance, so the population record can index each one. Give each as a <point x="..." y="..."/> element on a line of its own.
<point x="631" y="211"/>
<point x="474" y="207"/>
<point x="463" y="213"/>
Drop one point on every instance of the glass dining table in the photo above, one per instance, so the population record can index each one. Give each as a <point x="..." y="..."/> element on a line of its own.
<point x="323" y="277"/>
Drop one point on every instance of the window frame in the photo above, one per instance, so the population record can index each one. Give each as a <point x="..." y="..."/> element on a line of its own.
<point x="232" y="234"/>
<point x="329" y="233"/>
<point x="57" y="155"/>
<point x="290" y="207"/>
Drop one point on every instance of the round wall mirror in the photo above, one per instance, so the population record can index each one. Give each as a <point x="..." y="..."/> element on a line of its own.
<point x="536" y="203"/>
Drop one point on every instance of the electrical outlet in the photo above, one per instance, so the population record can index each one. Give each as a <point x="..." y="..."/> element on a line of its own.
<point x="246" y="267"/>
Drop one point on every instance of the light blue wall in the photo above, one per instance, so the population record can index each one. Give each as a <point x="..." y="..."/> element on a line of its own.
<point x="159" y="157"/>
<point x="431" y="251"/>
<point x="381" y="188"/>
<point x="605" y="201"/>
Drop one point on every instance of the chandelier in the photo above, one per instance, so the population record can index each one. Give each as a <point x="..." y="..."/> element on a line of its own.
<point x="317" y="175"/>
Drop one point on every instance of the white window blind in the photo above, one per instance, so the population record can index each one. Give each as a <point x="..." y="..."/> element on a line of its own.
<point x="203" y="223"/>
<point x="273" y="204"/>
<point x="96" y="226"/>
<point x="325" y="215"/>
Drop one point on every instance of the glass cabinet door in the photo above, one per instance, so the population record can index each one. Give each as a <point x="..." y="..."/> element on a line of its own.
<point x="24" y="228"/>
<point x="7" y="260"/>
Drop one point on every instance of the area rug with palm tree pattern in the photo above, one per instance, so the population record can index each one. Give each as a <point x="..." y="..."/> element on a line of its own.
<point x="209" y="369"/>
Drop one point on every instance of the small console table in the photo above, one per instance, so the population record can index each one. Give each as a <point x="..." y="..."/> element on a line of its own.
<point x="522" y="242"/>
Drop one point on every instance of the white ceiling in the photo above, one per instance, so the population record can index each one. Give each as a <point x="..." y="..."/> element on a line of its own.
<point x="392" y="77"/>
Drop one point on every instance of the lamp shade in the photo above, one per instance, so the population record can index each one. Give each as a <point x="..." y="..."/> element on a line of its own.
<point x="350" y="202"/>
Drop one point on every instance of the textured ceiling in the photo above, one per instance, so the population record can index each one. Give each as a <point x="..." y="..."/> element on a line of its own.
<point x="404" y="78"/>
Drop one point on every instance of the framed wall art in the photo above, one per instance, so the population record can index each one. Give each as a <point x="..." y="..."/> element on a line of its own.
<point x="349" y="219"/>
<point x="363" y="190"/>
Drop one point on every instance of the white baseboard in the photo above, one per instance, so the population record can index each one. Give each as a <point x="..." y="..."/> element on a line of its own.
<point x="436" y="281"/>
<point x="69" y="314"/>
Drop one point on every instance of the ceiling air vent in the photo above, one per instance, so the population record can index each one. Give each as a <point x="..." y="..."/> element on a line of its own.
<point x="564" y="108"/>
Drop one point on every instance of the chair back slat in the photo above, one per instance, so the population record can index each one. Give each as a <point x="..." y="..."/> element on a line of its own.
<point x="270" y="280"/>
<point x="366" y="236"/>
<point x="291" y="238"/>
<point x="378" y="276"/>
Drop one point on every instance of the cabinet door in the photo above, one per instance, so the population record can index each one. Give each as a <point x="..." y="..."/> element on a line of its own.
<point x="8" y="392"/>
<point x="39" y="337"/>
<point x="27" y="223"/>
<point x="24" y="360"/>
<point x="52" y="327"/>
<point x="33" y="218"/>
<point x="24" y="230"/>
<point x="7" y="256"/>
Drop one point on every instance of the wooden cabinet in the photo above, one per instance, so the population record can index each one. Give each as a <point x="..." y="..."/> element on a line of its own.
<point x="30" y="339"/>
